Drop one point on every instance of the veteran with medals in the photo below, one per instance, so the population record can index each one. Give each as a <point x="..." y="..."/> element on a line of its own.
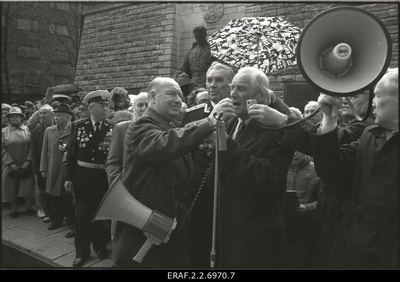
<point x="86" y="176"/>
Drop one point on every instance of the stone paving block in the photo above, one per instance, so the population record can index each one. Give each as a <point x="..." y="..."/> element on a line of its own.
<point x="15" y="233"/>
<point x="53" y="250"/>
<point x="8" y="222"/>
<point x="59" y="234"/>
<point x="26" y="222"/>
<point x="103" y="263"/>
<point x="30" y="235"/>
<point x="31" y="242"/>
<point x="65" y="260"/>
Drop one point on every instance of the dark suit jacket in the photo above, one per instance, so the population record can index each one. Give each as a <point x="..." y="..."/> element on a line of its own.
<point x="251" y="204"/>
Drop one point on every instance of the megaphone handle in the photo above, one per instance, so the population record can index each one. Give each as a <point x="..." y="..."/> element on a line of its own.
<point x="143" y="250"/>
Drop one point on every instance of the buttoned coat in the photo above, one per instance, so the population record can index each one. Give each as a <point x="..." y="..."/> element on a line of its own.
<point x="86" y="146"/>
<point x="371" y="165"/>
<point x="157" y="175"/>
<point x="16" y="148"/>
<point x="51" y="160"/>
<point x="252" y="177"/>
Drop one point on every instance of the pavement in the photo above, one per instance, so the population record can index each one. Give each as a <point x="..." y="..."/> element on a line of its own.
<point x="29" y="235"/>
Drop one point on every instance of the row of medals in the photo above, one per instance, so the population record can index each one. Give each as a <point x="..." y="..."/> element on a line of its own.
<point x="82" y="140"/>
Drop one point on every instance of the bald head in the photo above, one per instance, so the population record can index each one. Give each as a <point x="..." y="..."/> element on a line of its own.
<point x="159" y="82"/>
<point x="46" y="114"/>
<point x="165" y="97"/>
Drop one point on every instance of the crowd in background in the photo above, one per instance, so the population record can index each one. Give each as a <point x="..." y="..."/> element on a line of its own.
<point x="299" y="220"/>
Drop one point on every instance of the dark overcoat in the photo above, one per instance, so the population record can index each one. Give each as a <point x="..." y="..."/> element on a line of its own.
<point x="157" y="175"/>
<point x="250" y="220"/>
<point x="367" y="235"/>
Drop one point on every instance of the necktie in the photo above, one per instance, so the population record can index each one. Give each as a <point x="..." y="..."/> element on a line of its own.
<point x="97" y="127"/>
<point x="240" y="129"/>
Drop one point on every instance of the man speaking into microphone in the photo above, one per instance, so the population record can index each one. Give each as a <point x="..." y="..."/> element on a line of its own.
<point x="250" y="223"/>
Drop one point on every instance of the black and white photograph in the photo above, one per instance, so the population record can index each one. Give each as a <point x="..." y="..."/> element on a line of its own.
<point x="203" y="139"/>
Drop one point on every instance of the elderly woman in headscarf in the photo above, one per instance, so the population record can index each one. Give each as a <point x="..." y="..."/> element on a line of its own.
<point x="17" y="177"/>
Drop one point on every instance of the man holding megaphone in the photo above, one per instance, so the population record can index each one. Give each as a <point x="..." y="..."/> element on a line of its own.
<point x="156" y="174"/>
<point x="368" y="167"/>
<point x="368" y="232"/>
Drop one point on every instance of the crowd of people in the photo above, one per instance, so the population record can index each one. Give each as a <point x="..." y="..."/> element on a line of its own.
<point x="295" y="188"/>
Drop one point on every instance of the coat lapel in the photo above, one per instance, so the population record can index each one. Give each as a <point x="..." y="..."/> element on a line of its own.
<point x="55" y="132"/>
<point x="67" y="132"/>
<point x="249" y="135"/>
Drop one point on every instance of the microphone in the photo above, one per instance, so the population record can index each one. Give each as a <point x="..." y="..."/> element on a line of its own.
<point x="221" y="135"/>
<point x="220" y="131"/>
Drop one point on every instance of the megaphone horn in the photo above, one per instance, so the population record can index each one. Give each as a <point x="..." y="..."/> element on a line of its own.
<point x="119" y="204"/>
<point x="343" y="51"/>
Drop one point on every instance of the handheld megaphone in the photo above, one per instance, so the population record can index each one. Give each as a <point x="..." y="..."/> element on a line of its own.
<point x="343" y="51"/>
<point x="119" y="204"/>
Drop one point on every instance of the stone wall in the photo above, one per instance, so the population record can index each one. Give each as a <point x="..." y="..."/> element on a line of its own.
<point x="127" y="46"/>
<point x="130" y="44"/>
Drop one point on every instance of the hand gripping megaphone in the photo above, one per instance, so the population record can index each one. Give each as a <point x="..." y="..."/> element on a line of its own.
<point x="119" y="204"/>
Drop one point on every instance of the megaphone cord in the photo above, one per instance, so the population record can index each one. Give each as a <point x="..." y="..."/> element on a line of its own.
<point x="305" y="120"/>
<point x="203" y="181"/>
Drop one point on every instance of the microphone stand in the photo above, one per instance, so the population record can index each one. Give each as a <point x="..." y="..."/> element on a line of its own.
<point x="220" y="145"/>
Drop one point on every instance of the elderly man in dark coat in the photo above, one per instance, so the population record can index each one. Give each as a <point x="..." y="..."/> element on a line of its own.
<point x="368" y="233"/>
<point x="157" y="174"/>
<point x="331" y="196"/>
<point x="250" y="216"/>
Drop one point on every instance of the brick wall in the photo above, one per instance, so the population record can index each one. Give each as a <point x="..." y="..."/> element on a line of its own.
<point x="130" y="45"/>
<point x="127" y="46"/>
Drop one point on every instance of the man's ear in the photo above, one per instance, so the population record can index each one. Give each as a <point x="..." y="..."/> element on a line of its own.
<point x="152" y="96"/>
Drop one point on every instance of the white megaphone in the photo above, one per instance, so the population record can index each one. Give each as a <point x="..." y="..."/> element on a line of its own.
<point x="343" y="51"/>
<point x="119" y="204"/>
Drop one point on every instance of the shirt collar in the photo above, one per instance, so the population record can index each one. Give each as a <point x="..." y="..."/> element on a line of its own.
<point x="245" y="121"/>
<point x="94" y="122"/>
